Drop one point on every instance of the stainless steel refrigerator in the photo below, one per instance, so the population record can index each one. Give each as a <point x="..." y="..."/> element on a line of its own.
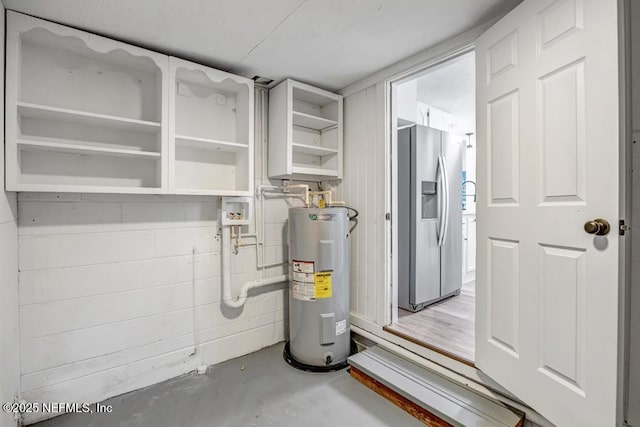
<point x="429" y="216"/>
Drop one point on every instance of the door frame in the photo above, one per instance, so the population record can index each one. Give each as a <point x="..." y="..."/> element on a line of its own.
<point x="391" y="173"/>
<point x="373" y="328"/>
<point x="391" y="144"/>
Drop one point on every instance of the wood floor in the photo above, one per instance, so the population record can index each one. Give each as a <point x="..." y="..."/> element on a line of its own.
<point x="448" y="325"/>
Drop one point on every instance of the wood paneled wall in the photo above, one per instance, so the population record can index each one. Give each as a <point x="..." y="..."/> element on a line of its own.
<point x="365" y="165"/>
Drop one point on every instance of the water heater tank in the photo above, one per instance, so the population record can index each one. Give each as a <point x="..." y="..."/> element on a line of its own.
<point x="319" y="336"/>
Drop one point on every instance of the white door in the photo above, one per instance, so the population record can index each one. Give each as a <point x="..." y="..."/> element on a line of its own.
<point x="548" y="153"/>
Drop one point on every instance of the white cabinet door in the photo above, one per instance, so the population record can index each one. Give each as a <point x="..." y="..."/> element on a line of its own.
<point x="548" y="162"/>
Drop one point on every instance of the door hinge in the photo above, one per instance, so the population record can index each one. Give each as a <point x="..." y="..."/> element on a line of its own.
<point x="623" y="228"/>
<point x="387" y="216"/>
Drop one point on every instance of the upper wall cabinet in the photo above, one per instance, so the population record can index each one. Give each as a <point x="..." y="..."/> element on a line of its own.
<point x="89" y="114"/>
<point x="84" y="113"/>
<point x="210" y="130"/>
<point x="305" y="132"/>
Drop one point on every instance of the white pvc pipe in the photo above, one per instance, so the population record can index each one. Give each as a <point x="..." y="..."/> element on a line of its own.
<point x="227" y="298"/>
<point x="304" y="187"/>
<point x="244" y="291"/>
<point x="225" y="254"/>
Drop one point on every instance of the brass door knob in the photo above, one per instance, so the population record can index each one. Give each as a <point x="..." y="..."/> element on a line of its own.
<point x="599" y="227"/>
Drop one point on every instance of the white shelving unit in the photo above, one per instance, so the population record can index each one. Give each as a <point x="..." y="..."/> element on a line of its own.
<point x="305" y="132"/>
<point x="210" y="131"/>
<point x="84" y="113"/>
<point x="89" y="114"/>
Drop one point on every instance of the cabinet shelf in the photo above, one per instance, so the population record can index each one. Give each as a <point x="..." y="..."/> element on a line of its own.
<point x="312" y="122"/>
<point x="204" y="192"/>
<point x="303" y="170"/>
<point x="209" y="144"/>
<point x="81" y="188"/>
<point x="39" y="111"/>
<point x="75" y="148"/>
<point x="314" y="150"/>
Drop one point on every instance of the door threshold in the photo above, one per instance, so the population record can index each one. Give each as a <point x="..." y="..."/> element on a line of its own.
<point x="443" y="365"/>
<point x="431" y="398"/>
<point x="424" y="344"/>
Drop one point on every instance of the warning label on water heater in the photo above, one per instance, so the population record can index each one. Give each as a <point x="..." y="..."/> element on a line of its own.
<point x="304" y="287"/>
<point x="303" y="267"/>
<point x="323" y="284"/>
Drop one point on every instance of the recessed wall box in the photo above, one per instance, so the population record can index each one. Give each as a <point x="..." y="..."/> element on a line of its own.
<point x="237" y="210"/>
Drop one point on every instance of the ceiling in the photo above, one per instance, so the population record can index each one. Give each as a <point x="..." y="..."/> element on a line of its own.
<point x="451" y="88"/>
<point x="328" y="43"/>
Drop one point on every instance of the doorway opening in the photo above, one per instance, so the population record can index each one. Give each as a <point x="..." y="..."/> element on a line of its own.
<point x="434" y="159"/>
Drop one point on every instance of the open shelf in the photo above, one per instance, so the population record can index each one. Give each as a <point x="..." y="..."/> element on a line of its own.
<point x="314" y="150"/>
<point x="305" y="132"/>
<point x="312" y="122"/>
<point x="211" y="128"/>
<point x="199" y="169"/>
<point x="77" y="71"/>
<point x="44" y="170"/>
<point x="81" y="188"/>
<point x="209" y="144"/>
<point x="209" y="105"/>
<point x="66" y="147"/>
<point x="46" y="112"/>
<point x="85" y="113"/>
<point x="303" y="170"/>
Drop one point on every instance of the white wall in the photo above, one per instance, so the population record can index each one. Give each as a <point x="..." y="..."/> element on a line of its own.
<point x="9" y="361"/>
<point x="118" y="292"/>
<point x="407" y="102"/>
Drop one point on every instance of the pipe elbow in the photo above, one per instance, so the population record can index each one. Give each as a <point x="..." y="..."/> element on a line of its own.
<point x="237" y="303"/>
<point x="244" y="291"/>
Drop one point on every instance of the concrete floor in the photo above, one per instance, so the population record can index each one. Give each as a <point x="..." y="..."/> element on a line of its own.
<point x="259" y="389"/>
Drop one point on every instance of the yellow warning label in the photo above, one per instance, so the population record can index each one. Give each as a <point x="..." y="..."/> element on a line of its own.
<point x="323" y="284"/>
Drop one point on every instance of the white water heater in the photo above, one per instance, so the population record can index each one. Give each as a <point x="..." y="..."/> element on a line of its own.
<point x="319" y="338"/>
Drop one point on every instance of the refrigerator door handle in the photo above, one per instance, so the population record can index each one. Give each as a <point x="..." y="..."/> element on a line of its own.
<point x="444" y="208"/>
<point x="447" y="200"/>
<point x="440" y="181"/>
